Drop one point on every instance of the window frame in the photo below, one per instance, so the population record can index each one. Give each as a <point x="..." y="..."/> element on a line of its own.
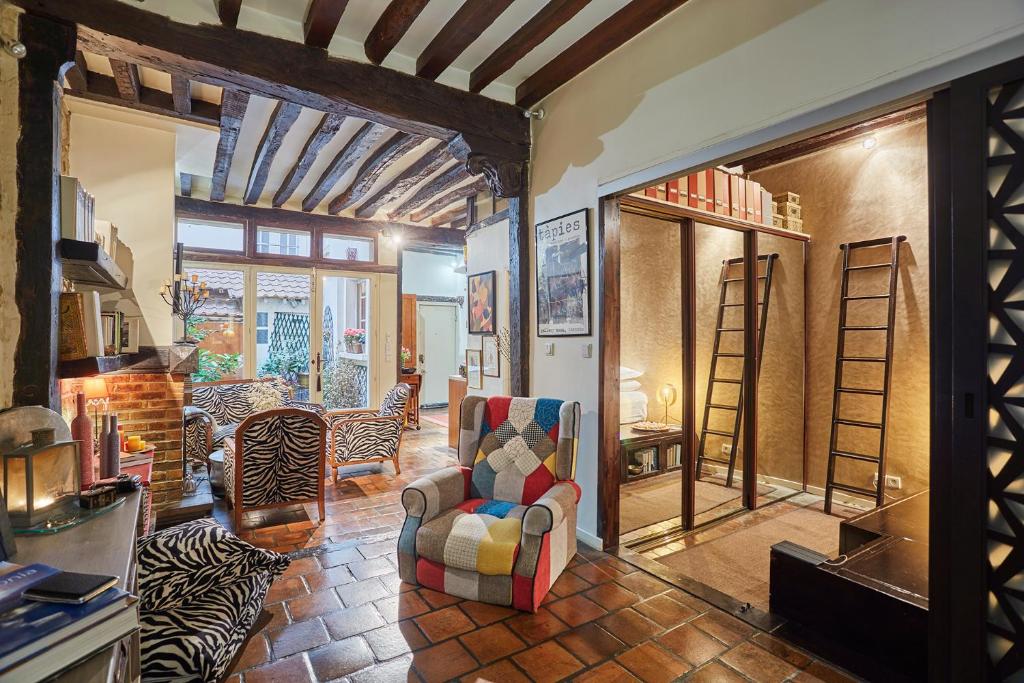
<point x="242" y="225"/>
<point x="346" y="235"/>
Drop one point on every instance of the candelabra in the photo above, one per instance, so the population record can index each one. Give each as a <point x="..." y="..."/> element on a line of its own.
<point x="185" y="296"/>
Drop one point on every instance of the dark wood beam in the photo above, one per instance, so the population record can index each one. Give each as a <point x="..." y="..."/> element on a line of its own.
<point x="78" y="75"/>
<point x="232" y="111"/>
<point x="442" y="183"/>
<point x="465" y="26"/>
<point x="324" y="133"/>
<point x="421" y="169"/>
<point x="448" y="198"/>
<point x="602" y="40"/>
<point x="519" y="290"/>
<point x="322" y="19"/>
<point x="393" y="149"/>
<point x="280" y="123"/>
<point x="228" y="11"/>
<point x="287" y="70"/>
<point x="534" y="32"/>
<point x="186" y="184"/>
<point x="181" y="93"/>
<point x="103" y="89"/>
<point x="392" y="24"/>
<point x="301" y="220"/>
<point x="354" y="150"/>
<point x="496" y="217"/>
<point x="127" y="78"/>
<point x="449" y="216"/>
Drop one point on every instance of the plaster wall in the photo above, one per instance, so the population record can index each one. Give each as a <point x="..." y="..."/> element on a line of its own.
<point x="10" y="320"/>
<point x="487" y="249"/>
<point x="702" y="79"/>
<point x="426" y="274"/>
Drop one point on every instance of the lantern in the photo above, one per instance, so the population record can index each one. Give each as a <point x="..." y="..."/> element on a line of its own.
<point x="41" y="479"/>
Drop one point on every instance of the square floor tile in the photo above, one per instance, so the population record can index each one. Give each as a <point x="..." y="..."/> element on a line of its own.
<point x="483" y="613"/>
<point x="340" y="658"/>
<point x="443" y="662"/>
<point x="361" y="592"/>
<point x="643" y="584"/>
<point x="692" y="644"/>
<point x="665" y="611"/>
<point x="352" y="621"/>
<point x="445" y="623"/>
<point x="499" y="672"/>
<point x="492" y="643"/>
<point x="629" y="626"/>
<point x="576" y="609"/>
<point x="590" y="643"/>
<point x="291" y="670"/>
<point x="402" y="606"/>
<point x="533" y="628"/>
<point x="609" y="672"/>
<point x="298" y="638"/>
<point x="313" y="605"/>
<point x="651" y="664"/>
<point x="395" y="639"/>
<point x="547" y="662"/>
<point x="714" y="672"/>
<point x="755" y="662"/>
<point x="612" y="596"/>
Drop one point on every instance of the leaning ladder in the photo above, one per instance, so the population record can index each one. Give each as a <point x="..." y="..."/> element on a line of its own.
<point x="893" y="264"/>
<point x="717" y="352"/>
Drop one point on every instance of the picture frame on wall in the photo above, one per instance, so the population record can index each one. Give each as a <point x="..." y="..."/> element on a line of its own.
<point x="563" y="275"/>
<point x="474" y="369"/>
<point x="491" y="357"/>
<point x="481" y="288"/>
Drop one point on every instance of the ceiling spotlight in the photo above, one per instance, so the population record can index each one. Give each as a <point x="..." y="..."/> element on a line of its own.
<point x="539" y="114"/>
<point x="14" y="48"/>
<point x="869" y="142"/>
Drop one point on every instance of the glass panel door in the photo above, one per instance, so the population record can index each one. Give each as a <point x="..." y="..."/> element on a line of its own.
<point x="344" y="351"/>
<point x="218" y="325"/>
<point x="282" y="328"/>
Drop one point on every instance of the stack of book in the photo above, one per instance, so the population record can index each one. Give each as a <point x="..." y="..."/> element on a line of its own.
<point x="65" y="619"/>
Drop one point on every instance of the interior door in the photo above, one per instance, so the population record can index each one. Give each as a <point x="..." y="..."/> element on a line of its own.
<point x="438" y="329"/>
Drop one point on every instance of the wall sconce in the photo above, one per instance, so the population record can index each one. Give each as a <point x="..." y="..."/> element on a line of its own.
<point x="667" y="395"/>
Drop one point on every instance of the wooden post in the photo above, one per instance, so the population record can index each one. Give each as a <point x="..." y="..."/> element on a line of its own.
<point x="608" y="471"/>
<point x="519" y="291"/>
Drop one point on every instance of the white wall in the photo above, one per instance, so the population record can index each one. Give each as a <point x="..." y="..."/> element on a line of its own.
<point x="711" y="72"/>
<point x="129" y="167"/>
<point x="426" y="274"/>
<point x="487" y="249"/>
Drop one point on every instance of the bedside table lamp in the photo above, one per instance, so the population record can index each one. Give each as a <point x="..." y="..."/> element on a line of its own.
<point x="95" y="390"/>
<point x="667" y="395"/>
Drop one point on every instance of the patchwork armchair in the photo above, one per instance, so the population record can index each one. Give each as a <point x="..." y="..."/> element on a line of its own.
<point x="501" y="527"/>
<point x="218" y="408"/>
<point x="364" y="435"/>
<point x="276" y="458"/>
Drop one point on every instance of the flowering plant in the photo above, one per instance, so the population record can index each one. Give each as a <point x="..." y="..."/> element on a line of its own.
<point x="406" y="355"/>
<point x="355" y="335"/>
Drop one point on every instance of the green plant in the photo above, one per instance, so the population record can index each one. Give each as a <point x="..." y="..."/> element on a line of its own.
<point x="214" y="366"/>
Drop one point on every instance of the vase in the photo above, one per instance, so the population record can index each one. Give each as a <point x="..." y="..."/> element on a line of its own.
<point x="102" y="444"/>
<point x="113" y="459"/>
<point x="81" y="431"/>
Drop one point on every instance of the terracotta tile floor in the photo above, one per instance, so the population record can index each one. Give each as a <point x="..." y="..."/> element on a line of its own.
<point x="341" y="613"/>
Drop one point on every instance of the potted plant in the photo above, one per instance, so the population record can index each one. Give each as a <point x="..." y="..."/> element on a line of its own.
<point x="406" y="357"/>
<point x="355" y="339"/>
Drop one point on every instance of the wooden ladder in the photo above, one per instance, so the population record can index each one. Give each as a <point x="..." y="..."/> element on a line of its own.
<point x="840" y="389"/>
<point x="717" y="352"/>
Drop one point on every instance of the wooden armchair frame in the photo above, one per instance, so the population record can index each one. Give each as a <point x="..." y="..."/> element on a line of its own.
<point x="368" y="416"/>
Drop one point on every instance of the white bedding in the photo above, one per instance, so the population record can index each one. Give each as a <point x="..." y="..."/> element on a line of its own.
<point x="632" y="407"/>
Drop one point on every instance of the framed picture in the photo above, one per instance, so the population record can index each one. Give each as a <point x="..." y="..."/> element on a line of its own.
<point x="474" y="362"/>
<point x="563" y="276"/>
<point x="482" y="309"/>
<point x="492" y="357"/>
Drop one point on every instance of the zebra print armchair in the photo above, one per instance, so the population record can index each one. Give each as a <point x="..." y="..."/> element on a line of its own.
<point x="366" y="435"/>
<point x="276" y="459"/>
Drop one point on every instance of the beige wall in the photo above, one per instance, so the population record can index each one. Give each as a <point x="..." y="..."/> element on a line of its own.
<point x="849" y="193"/>
<point x="487" y="249"/>
<point x="10" y="320"/>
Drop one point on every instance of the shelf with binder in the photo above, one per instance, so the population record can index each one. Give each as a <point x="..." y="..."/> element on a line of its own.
<point x="88" y="263"/>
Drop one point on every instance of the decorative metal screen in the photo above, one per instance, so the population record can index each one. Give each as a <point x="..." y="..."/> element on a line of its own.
<point x="1005" y="442"/>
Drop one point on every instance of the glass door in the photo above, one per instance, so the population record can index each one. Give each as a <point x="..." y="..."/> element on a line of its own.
<point x="344" y="351"/>
<point x="281" y="327"/>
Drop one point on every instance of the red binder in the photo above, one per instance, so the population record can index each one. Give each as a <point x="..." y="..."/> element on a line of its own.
<point x="709" y="190"/>
<point x="695" y="187"/>
<point x="672" y="191"/>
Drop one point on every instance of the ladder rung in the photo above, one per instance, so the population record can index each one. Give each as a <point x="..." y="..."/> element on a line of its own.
<point x="863" y="359"/>
<point x="858" y="423"/>
<point x="865" y="296"/>
<point x="861" y="328"/>
<point x="722" y="406"/>
<point x="723" y="354"/>
<point x="866" y="392"/>
<point x="739" y="279"/>
<point x="856" y="456"/>
<point x="759" y="303"/>
<point x="717" y="432"/>
<point x="726" y="381"/>
<point x="729" y="329"/>
<point x="855" y="489"/>
<point x="708" y="458"/>
<point x="870" y="266"/>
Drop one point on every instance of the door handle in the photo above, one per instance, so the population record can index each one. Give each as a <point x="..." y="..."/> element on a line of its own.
<point x="318" y="364"/>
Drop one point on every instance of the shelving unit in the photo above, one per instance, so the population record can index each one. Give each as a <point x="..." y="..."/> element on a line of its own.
<point x="87" y="263"/>
<point x="95" y="365"/>
<point x="664" y="448"/>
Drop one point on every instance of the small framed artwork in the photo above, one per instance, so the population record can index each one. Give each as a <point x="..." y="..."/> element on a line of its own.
<point x="492" y="357"/>
<point x="482" y="308"/>
<point x="563" y="276"/>
<point x="474" y="368"/>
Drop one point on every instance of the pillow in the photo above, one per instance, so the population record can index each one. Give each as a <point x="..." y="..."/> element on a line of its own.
<point x="629" y="373"/>
<point x="629" y="385"/>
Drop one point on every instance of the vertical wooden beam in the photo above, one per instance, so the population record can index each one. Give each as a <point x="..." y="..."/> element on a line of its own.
<point x="126" y="75"/>
<point x="181" y="94"/>
<point x="228" y="11"/>
<point x="232" y="111"/>
<point x="186" y="184"/>
<point x="78" y="75"/>
<point x="322" y="19"/>
<point x="750" y="330"/>
<point x="608" y="468"/>
<point x="50" y="46"/>
<point x="688" y="304"/>
<point x="398" y="317"/>
<point x="280" y="123"/>
<point x="519" y="289"/>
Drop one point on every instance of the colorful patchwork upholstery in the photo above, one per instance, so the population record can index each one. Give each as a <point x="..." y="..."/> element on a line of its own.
<point x="502" y="527"/>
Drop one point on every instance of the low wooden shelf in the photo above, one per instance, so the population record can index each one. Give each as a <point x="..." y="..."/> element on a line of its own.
<point x="661" y="444"/>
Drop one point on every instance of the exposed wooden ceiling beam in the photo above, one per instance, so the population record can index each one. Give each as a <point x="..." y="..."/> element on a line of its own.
<point x="442" y="183"/>
<point x="604" y="38"/>
<point x="103" y="89"/>
<point x="287" y="70"/>
<point x="232" y="111"/>
<point x="181" y="93"/>
<point x="78" y="75"/>
<point x="324" y="133"/>
<point x="228" y="10"/>
<point x="186" y="184"/>
<point x="465" y="26"/>
<point x="392" y="24"/>
<point x="354" y="150"/>
<point x="312" y="221"/>
<point x="127" y="78"/>
<point x="322" y="19"/>
<point x="449" y="198"/>
<point x="453" y="214"/>
<point x="421" y="169"/>
<point x="534" y="32"/>
<point x="394" y="148"/>
<point x="280" y="123"/>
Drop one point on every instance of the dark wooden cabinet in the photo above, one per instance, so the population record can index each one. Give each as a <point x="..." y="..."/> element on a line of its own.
<point x="648" y="454"/>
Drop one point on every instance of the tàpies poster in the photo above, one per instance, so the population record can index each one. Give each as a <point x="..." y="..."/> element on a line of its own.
<point x="563" y="276"/>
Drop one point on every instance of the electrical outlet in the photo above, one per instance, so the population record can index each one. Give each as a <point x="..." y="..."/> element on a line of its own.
<point x="549" y="348"/>
<point x="891" y="481"/>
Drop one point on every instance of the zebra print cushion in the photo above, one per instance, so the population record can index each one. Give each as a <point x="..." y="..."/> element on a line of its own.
<point x="230" y="403"/>
<point x="394" y="401"/>
<point x="281" y="458"/>
<point x="222" y="432"/>
<point x="359" y="440"/>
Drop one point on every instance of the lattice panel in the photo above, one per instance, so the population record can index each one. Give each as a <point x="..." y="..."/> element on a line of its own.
<point x="1005" y="168"/>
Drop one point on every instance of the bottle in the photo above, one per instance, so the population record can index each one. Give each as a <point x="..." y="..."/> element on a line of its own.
<point x="113" y="449"/>
<point x="121" y="437"/>
<point x="104" y="443"/>
<point x="81" y="431"/>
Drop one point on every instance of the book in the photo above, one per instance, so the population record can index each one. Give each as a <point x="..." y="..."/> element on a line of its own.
<point x="767" y="210"/>
<point x="70" y="588"/>
<point x="709" y="194"/>
<point x="672" y="191"/>
<point x="721" y="192"/>
<point x="695" y="184"/>
<point x="18" y="579"/>
<point x="734" y="196"/>
<point x="753" y="201"/>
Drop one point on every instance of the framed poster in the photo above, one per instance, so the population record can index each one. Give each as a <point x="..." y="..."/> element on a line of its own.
<point x="482" y="309"/>
<point x="474" y="376"/>
<point x="563" y="276"/>
<point x="491" y="357"/>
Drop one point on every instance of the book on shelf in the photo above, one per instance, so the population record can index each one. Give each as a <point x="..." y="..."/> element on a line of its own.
<point x="672" y="190"/>
<point x="766" y="207"/>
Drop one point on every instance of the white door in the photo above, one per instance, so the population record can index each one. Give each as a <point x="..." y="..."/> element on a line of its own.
<point x="437" y="328"/>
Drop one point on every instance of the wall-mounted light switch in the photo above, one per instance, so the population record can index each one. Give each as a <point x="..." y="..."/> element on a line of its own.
<point x="549" y="348"/>
<point x="586" y="350"/>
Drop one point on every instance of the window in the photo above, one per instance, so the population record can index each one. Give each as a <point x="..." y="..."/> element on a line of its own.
<point x="204" y="234"/>
<point x="262" y="327"/>
<point x="345" y="248"/>
<point x="282" y="242"/>
<point x="217" y="325"/>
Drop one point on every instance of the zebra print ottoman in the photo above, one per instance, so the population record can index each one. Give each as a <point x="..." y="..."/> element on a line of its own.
<point x="201" y="589"/>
